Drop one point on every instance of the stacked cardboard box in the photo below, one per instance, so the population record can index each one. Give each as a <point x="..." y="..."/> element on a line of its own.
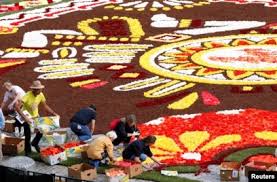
<point x="130" y="168"/>
<point x="116" y="175"/>
<point x="53" y="158"/>
<point x="56" y="137"/>
<point x="12" y="146"/>
<point x="259" y="166"/>
<point x="229" y="171"/>
<point x="82" y="171"/>
<point x="75" y="151"/>
<point x="9" y="126"/>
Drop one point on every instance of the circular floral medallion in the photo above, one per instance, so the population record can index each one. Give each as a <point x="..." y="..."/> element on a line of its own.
<point x="248" y="59"/>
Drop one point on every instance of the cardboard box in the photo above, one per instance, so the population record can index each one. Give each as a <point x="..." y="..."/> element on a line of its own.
<point x="132" y="169"/>
<point x="229" y="171"/>
<point x="47" y="123"/>
<point x="54" y="159"/>
<point x="76" y="151"/>
<point x="12" y="146"/>
<point x="82" y="171"/>
<point x="258" y="166"/>
<point x="122" y="177"/>
<point x="9" y="126"/>
<point x="55" y="138"/>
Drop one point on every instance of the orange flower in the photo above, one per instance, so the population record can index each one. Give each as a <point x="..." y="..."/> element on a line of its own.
<point x="195" y="139"/>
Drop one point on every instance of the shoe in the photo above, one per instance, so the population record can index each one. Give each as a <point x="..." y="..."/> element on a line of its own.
<point x="21" y="131"/>
<point x="16" y="132"/>
<point x="37" y="148"/>
<point x="88" y="141"/>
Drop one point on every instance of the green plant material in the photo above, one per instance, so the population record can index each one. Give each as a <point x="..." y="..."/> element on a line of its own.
<point x="184" y="169"/>
<point x="72" y="161"/>
<point x="241" y="155"/>
<point x="156" y="176"/>
<point x="101" y="169"/>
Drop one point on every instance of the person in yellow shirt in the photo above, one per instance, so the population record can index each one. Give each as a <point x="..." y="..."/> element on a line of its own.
<point x="101" y="148"/>
<point x="31" y="102"/>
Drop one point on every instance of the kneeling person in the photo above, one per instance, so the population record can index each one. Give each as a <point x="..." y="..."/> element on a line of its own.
<point x="80" y="120"/>
<point x="101" y="148"/>
<point x="125" y="129"/>
<point x="139" y="150"/>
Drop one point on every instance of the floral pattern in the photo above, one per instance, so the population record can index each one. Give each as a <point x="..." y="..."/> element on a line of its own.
<point x="201" y="138"/>
<point x="156" y="5"/>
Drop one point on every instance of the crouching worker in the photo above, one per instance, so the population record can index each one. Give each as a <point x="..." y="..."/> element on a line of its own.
<point x="101" y="148"/>
<point x="139" y="150"/>
<point x="80" y="120"/>
<point x="126" y="128"/>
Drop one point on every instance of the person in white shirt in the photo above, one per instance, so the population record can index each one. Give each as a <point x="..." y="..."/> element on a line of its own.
<point x="12" y="95"/>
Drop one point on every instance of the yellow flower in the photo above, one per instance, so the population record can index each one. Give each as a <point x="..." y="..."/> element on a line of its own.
<point x="192" y="139"/>
<point x="225" y="139"/>
<point x="266" y="135"/>
<point x="168" y="143"/>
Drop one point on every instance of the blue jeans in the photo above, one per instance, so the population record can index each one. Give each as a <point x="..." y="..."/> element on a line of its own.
<point x="142" y="157"/>
<point x="95" y="163"/>
<point x="83" y="132"/>
<point x="2" y="120"/>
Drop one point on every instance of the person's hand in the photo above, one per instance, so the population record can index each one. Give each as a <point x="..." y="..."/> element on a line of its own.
<point x="55" y="114"/>
<point x="161" y="164"/>
<point x="10" y="106"/>
<point x="146" y="167"/>
<point x="30" y="121"/>
<point x="136" y="133"/>
<point x="114" y="160"/>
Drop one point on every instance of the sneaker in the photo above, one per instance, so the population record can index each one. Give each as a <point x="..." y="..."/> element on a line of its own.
<point x="37" y="148"/>
<point x="16" y="132"/>
<point x="21" y="131"/>
<point x="88" y="141"/>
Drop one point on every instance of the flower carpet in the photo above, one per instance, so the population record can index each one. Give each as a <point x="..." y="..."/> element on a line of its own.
<point x="201" y="75"/>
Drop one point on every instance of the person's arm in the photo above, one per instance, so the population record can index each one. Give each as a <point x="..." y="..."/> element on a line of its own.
<point x="109" y="148"/>
<point x="48" y="109"/>
<point x="155" y="160"/>
<point x="136" y="159"/>
<point x="17" y="107"/>
<point x="121" y="130"/>
<point x="14" y="101"/>
<point x="92" y="125"/>
<point x="3" y="104"/>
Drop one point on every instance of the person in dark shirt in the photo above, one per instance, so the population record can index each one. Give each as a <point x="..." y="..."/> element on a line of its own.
<point x="139" y="150"/>
<point x="80" y="121"/>
<point x="125" y="129"/>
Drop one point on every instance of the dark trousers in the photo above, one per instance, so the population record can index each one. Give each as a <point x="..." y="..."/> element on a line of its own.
<point x="27" y="133"/>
